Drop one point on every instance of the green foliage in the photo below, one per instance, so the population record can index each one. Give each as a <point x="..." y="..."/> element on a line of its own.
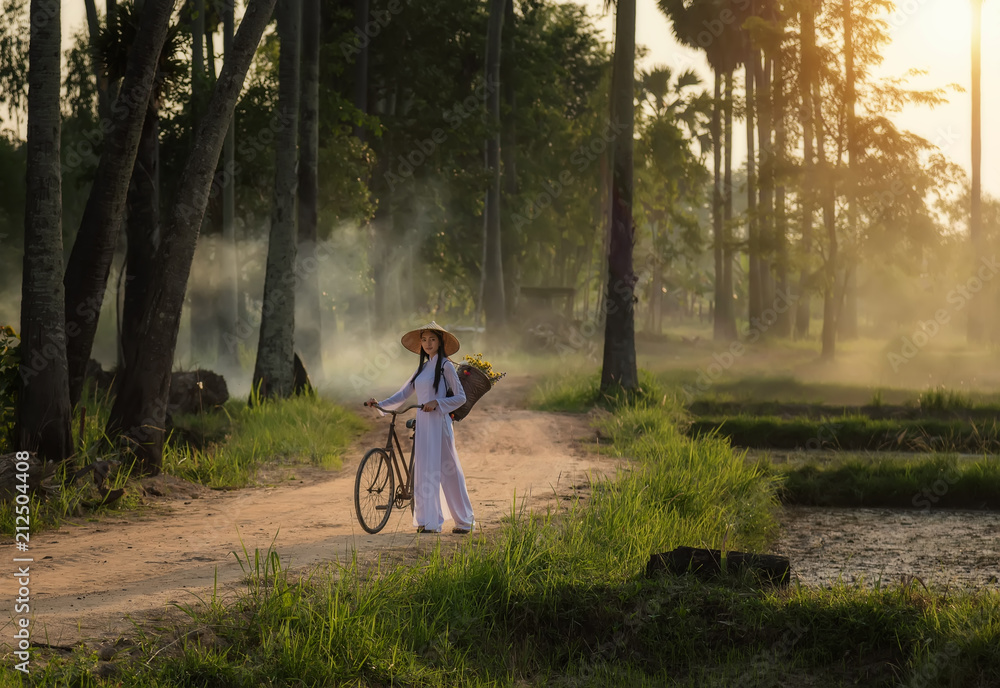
<point x="578" y="393"/>
<point x="10" y="361"/>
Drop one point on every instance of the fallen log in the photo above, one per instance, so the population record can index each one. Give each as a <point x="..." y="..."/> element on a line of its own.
<point x="708" y="563"/>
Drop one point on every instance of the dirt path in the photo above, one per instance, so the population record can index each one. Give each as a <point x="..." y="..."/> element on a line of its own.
<point x="90" y="579"/>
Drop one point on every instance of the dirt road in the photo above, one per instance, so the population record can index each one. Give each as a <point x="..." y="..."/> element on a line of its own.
<point x="90" y="579"/>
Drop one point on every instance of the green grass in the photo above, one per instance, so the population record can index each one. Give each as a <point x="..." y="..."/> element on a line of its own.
<point x="240" y="439"/>
<point x="853" y="433"/>
<point x="561" y="600"/>
<point x="938" y="481"/>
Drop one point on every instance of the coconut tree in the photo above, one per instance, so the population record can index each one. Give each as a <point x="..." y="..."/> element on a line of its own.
<point x="274" y="369"/>
<point x="700" y="24"/>
<point x="619" y="364"/>
<point x="139" y="411"/>
<point x="43" y="412"/>
<point x="975" y="324"/>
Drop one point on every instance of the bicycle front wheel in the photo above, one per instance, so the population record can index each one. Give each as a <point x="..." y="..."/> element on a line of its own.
<point x="374" y="490"/>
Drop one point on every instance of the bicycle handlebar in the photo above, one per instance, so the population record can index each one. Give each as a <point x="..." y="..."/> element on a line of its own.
<point x="395" y="413"/>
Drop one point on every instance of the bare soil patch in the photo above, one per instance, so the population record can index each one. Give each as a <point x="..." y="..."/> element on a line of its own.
<point x="955" y="548"/>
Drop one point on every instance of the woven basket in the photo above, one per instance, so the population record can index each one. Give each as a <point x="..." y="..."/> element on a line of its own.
<point x="476" y="384"/>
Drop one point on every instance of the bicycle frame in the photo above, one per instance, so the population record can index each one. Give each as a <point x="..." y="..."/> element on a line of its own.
<point x="404" y="474"/>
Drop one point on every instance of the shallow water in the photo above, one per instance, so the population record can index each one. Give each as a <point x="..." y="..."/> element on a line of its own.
<point x="939" y="547"/>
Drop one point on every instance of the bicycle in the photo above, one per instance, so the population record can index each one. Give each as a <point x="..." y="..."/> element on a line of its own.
<point x="376" y="491"/>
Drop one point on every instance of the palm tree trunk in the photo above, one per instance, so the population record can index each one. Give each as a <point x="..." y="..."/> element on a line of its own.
<point x="229" y="296"/>
<point x="806" y="75"/>
<point x="783" y="328"/>
<point x="139" y="411"/>
<point x="723" y="298"/>
<point x="90" y="260"/>
<point x="493" y="293"/>
<point x="309" y="318"/>
<point x="831" y="294"/>
<point x="619" y="364"/>
<point x="274" y="369"/>
<point x="727" y="227"/>
<point x="508" y="153"/>
<point x="43" y="409"/>
<point x="847" y="321"/>
<point x="754" y="306"/>
<point x="976" y="329"/>
<point x="766" y="183"/>
<point x="94" y="27"/>
<point x="143" y="230"/>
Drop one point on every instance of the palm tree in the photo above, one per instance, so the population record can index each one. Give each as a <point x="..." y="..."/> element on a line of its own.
<point x="619" y="364"/>
<point x="493" y="293"/>
<point x="309" y="316"/>
<point x="274" y="370"/>
<point x="976" y="329"/>
<point x="139" y="411"/>
<point x="90" y="260"/>
<point x="142" y="227"/>
<point x="43" y="410"/>
<point x="724" y="52"/>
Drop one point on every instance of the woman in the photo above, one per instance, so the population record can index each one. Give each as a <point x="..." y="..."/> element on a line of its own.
<point x="435" y="461"/>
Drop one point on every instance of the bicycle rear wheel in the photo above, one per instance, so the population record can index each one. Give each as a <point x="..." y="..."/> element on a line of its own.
<point x="374" y="490"/>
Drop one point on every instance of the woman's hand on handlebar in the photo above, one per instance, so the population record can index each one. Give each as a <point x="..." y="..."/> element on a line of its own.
<point x="430" y="405"/>
<point x="371" y="402"/>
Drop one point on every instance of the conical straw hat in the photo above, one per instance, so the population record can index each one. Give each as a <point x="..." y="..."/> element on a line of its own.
<point x="450" y="343"/>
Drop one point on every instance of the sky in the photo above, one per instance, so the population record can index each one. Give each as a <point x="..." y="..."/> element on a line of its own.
<point x="931" y="35"/>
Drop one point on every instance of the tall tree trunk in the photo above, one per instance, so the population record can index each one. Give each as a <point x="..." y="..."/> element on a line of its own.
<point x="201" y="297"/>
<point x="766" y="184"/>
<point x="806" y="75"/>
<point x="783" y="328"/>
<point x="847" y="321"/>
<point x="139" y="411"/>
<point x="309" y="317"/>
<point x="274" y="369"/>
<point x="361" y="64"/>
<point x="831" y="294"/>
<point x="508" y="152"/>
<point x="727" y="227"/>
<point x="229" y="293"/>
<point x="723" y="322"/>
<point x="143" y="230"/>
<point x="43" y="410"/>
<point x="619" y="365"/>
<point x="94" y="28"/>
<point x="90" y="260"/>
<point x="754" y="307"/>
<point x="976" y="327"/>
<point x="493" y="296"/>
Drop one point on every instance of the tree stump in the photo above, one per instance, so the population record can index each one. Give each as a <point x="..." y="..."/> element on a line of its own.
<point x="300" y="378"/>
<point x="196" y="391"/>
<point x="707" y="563"/>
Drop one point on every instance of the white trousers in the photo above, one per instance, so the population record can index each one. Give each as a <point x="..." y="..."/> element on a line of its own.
<point x="437" y="469"/>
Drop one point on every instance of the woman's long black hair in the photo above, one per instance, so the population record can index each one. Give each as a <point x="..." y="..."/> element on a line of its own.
<point x="440" y="362"/>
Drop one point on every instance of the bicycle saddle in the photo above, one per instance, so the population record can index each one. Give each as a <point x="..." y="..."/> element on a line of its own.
<point x="411" y="423"/>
